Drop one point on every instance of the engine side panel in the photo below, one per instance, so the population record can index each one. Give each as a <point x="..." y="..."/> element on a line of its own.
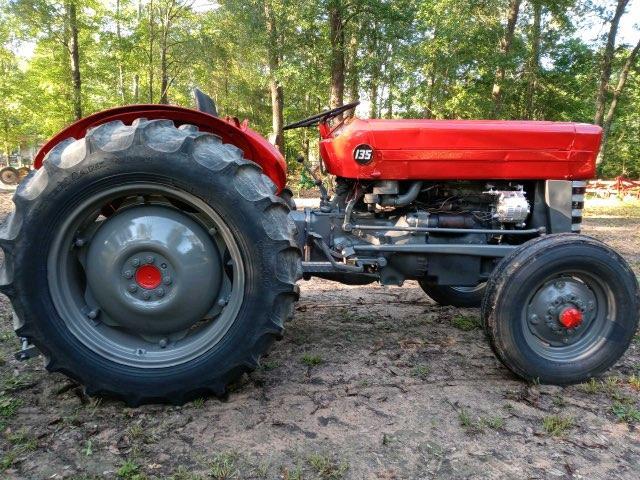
<point x="254" y="146"/>
<point x="463" y="150"/>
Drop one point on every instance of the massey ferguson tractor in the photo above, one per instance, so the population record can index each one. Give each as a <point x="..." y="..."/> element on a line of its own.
<point x="154" y="252"/>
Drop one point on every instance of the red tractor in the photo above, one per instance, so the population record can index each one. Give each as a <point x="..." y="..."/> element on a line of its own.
<point x="154" y="252"/>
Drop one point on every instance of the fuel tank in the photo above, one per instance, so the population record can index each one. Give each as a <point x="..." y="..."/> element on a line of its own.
<point x="461" y="150"/>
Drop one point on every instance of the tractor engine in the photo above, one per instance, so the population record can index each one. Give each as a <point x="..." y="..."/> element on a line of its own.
<point x="389" y="231"/>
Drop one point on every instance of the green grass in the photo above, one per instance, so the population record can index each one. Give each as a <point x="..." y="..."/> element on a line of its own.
<point x="420" y="371"/>
<point x="626" y="412"/>
<point x="557" y="425"/>
<point x="327" y="468"/>
<point x="311" y="360"/>
<point x="223" y="466"/>
<point x="466" y="322"/>
<point x="130" y="470"/>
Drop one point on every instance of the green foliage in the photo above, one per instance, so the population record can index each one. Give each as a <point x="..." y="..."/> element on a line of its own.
<point x="405" y="58"/>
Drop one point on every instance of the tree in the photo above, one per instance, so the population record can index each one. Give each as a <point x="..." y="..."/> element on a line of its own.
<point x="505" y="47"/>
<point x="607" y="61"/>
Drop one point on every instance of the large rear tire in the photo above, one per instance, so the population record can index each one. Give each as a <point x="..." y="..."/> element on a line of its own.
<point x="561" y="309"/>
<point x="150" y="263"/>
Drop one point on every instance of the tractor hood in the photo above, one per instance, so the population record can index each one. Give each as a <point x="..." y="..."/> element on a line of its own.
<point x="461" y="149"/>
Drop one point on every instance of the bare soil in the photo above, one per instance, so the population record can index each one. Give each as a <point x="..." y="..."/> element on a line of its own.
<point x="369" y="383"/>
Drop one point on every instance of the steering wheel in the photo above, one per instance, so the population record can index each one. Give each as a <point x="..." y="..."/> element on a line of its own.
<point x="322" y="117"/>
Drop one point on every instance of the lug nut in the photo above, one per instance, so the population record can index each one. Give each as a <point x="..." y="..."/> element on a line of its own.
<point x="128" y="274"/>
<point x="146" y="295"/>
<point x="163" y="342"/>
<point x="93" y="314"/>
<point x="213" y="231"/>
<point x="135" y="262"/>
<point x="132" y="288"/>
<point x="533" y="319"/>
<point x="167" y="280"/>
<point x="160" y="292"/>
<point x="80" y="242"/>
<point x="222" y="302"/>
<point x="150" y="259"/>
<point x="559" y="284"/>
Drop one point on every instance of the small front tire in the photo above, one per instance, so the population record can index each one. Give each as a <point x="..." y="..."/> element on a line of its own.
<point x="465" y="297"/>
<point x="561" y="309"/>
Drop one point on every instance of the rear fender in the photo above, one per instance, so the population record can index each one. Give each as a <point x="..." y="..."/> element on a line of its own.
<point x="255" y="147"/>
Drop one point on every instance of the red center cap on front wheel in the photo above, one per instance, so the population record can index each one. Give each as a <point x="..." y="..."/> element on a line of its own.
<point x="148" y="276"/>
<point x="571" y="317"/>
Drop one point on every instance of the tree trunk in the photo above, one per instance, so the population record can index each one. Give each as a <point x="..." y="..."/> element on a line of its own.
<point x="608" y="119"/>
<point x="353" y="83"/>
<point x="74" y="57"/>
<point x="336" y="36"/>
<point x="164" y="73"/>
<point x="150" y="53"/>
<point x="277" y="93"/>
<point x="607" y="61"/>
<point x="136" y="88"/>
<point x="534" y="61"/>
<point x="505" y="48"/>
<point x="120" y="60"/>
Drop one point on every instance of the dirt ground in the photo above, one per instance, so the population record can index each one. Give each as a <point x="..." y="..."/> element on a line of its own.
<point x="368" y="383"/>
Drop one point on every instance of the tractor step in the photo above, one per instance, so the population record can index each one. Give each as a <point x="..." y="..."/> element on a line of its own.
<point x="27" y="351"/>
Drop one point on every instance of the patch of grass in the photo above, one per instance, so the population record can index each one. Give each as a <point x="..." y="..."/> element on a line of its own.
<point x="295" y="474"/>
<point x="493" y="422"/>
<point x="11" y="383"/>
<point x="198" y="402"/>
<point x="634" y="381"/>
<point x="466" y="322"/>
<point x="326" y="467"/>
<point x="557" y="425"/>
<point x="609" y="386"/>
<point x="626" y="412"/>
<point x="223" y="466"/>
<point x="269" y="365"/>
<point x="130" y="470"/>
<point x="23" y="440"/>
<point x="182" y="473"/>
<point x="311" y="360"/>
<point x="7" y="460"/>
<point x="8" y="408"/>
<point x="465" y="419"/>
<point x="420" y="371"/>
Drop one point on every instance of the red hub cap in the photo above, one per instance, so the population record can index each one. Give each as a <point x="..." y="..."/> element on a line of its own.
<point x="148" y="276"/>
<point x="570" y="317"/>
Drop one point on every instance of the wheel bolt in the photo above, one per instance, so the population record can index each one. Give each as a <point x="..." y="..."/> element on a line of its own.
<point x="163" y="342"/>
<point x="133" y="288"/>
<point x="160" y="292"/>
<point x="533" y="319"/>
<point x="128" y="274"/>
<point x="93" y="314"/>
<point x="167" y="280"/>
<point x="150" y="259"/>
<point x="222" y="302"/>
<point x="559" y="285"/>
<point x="565" y="340"/>
<point x="135" y="262"/>
<point x="213" y="231"/>
<point x="146" y="295"/>
<point x="80" y="242"/>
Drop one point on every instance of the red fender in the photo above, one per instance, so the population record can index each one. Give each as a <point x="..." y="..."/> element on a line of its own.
<point x="255" y="147"/>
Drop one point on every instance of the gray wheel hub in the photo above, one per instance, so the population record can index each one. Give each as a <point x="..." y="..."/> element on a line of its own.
<point x="551" y="301"/>
<point x="153" y="270"/>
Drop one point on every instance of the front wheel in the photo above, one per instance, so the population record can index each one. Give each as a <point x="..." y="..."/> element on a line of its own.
<point x="456" y="296"/>
<point x="149" y="262"/>
<point x="561" y="309"/>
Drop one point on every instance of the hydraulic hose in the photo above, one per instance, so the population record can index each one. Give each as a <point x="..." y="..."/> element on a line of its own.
<point x="404" y="199"/>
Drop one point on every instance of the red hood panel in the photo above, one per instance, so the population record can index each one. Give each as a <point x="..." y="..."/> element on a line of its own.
<point x="464" y="149"/>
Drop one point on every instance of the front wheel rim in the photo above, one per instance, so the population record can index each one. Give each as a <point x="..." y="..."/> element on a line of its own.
<point x="574" y="291"/>
<point x="93" y="323"/>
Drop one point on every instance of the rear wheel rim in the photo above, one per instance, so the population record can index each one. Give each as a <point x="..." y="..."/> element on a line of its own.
<point x="116" y="336"/>
<point x="577" y="291"/>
